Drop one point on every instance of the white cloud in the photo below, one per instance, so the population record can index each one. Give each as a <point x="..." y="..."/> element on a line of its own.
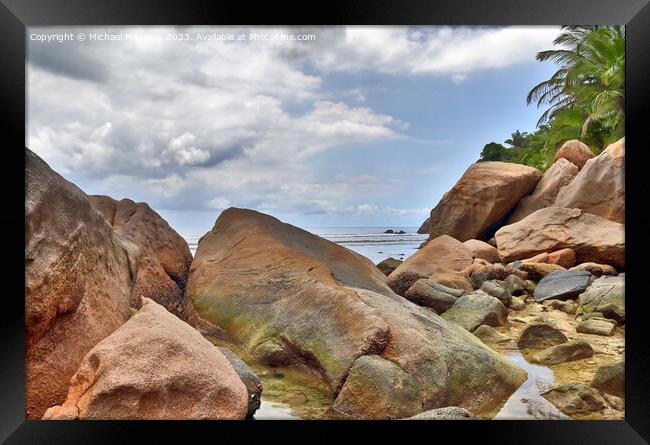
<point x="220" y="203"/>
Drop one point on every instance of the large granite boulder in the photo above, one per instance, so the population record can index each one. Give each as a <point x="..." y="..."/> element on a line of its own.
<point x="610" y="378"/>
<point x="154" y="366"/>
<point x="599" y="188"/>
<point x="287" y="296"/>
<point x="481" y="199"/>
<point x="593" y="238"/>
<point x="562" y="285"/>
<point x="472" y="310"/>
<point x="77" y="283"/>
<point x="605" y="295"/>
<point x="575" y="152"/>
<point x="481" y="249"/>
<point x="559" y="175"/>
<point x="441" y="259"/>
<point x="160" y="257"/>
<point x="431" y="294"/>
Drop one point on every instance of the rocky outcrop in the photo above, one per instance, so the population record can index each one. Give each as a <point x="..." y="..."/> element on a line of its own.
<point x="481" y="199"/>
<point x="77" y="287"/>
<point x="539" y="335"/>
<point x="564" y="352"/>
<point x="481" y="249"/>
<point x="594" y="239"/>
<point x="441" y="259"/>
<point x="431" y="294"/>
<point x="472" y="310"/>
<point x="155" y="366"/>
<point x="599" y="188"/>
<point x="159" y="256"/>
<point x="575" y="398"/>
<point x="605" y="295"/>
<point x="424" y="228"/>
<point x="610" y="378"/>
<point x="575" y="152"/>
<point x="388" y="265"/>
<point x="596" y="269"/>
<point x="497" y="289"/>
<point x="537" y="271"/>
<point x="559" y="175"/>
<point x="563" y="257"/>
<point x="562" y="285"/>
<point x="287" y="296"/>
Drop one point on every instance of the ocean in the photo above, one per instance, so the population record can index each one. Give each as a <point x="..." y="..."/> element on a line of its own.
<point x="371" y="242"/>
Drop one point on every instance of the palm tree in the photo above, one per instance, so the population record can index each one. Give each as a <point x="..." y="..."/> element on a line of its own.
<point x="589" y="82"/>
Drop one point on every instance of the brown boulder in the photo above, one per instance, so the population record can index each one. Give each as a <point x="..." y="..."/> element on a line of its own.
<point x="160" y="257"/>
<point x="154" y="366"/>
<point x="575" y="398"/>
<point x="596" y="269"/>
<point x="479" y="201"/>
<point x="537" y="271"/>
<point x="564" y="352"/>
<point x="559" y="175"/>
<point x="591" y="237"/>
<point x="443" y="257"/>
<point x="539" y="335"/>
<point x="575" y="152"/>
<point x="563" y="257"/>
<point x="599" y="188"/>
<point x="482" y="250"/>
<point x="77" y="283"/>
<point x="287" y="296"/>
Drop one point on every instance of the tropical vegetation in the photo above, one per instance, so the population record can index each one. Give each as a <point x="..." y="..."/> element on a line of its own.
<point x="584" y="99"/>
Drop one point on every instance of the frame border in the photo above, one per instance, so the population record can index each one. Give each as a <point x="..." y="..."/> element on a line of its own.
<point x="17" y="15"/>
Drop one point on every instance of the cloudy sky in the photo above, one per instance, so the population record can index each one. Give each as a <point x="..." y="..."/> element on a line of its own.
<point x="363" y="126"/>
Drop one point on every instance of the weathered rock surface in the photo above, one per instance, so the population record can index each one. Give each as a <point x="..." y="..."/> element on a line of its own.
<point x="159" y="256"/>
<point x="441" y="259"/>
<point x="540" y="335"/>
<point x="497" y="290"/>
<point x="481" y="199"/>
<point x="472" y="310"/>
<point x="480" y="271"/>
<point x="575" y="152"/>
<point x="605" y="295"/>
<point x="424" y="228"/>
<point x="388" y="265"/>
<point x="288" y="296"/>
<point x="514" y="284"/>
<point x="596" y="269"/>
<point x="446" y="413"/>
<point x="249" y="378"/>
<point x="564" y="352"/>
<point x="563" y="257"/>
<point x="610" y="379"/>
<point x="568" y="307"/>
<point x="487" y="334"/>
<point x="537" y="271"/>
<point x="562" y="285"/>
<point x="593" y="238"/>
<point x="599" y="188"/>
<point x="396" y="394"/>
<point x="154" y="366"/>
<point x="575" y="398"/>
<point x="559" y="175"/>
<point x="596" y="327"/>
<point x="77" y="285"/>
<point x="431" y="294"/>
<point x="481" y="249"/>
<point x="517" y="304"/>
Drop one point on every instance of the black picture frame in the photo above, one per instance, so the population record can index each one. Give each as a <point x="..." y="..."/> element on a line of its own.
<point x="16" y="15"/>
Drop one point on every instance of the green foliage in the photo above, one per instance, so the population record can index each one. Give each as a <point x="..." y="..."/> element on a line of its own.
<point x="494" y="152"/>
<point x="585" y="96"/>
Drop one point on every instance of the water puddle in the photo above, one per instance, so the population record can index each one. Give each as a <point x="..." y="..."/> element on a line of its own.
<point x="527" y="402"/>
